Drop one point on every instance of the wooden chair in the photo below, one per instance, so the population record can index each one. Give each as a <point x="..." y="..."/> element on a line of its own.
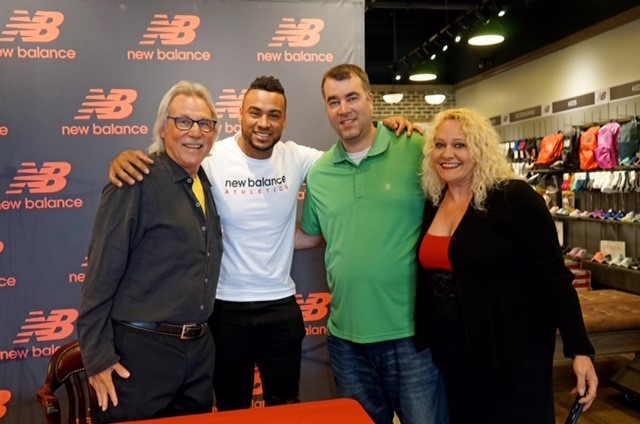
<point x="66" y="368"/>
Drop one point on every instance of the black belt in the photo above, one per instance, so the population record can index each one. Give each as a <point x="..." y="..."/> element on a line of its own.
<point x="185" y="332"/>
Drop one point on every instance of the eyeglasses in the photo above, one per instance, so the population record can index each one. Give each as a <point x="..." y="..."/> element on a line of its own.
<point x="184" y="124"/>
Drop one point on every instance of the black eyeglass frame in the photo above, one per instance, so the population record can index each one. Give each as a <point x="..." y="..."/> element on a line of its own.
<point x="192" y="121"/>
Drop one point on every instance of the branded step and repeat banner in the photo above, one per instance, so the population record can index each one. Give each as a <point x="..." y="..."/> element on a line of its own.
<point x="80" y="81"/>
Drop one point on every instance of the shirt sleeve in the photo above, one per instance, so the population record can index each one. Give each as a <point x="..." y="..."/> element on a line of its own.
<point x="113" y="234"/>
<point x="538" y="236"/>
<point x="310" y="223"/>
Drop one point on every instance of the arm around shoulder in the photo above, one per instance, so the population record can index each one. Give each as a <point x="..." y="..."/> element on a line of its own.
<point x="129" y="166"/>
<point x="306" y="241"/>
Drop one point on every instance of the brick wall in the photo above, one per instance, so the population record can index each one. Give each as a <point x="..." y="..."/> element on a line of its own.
<point x="413" y="106"/>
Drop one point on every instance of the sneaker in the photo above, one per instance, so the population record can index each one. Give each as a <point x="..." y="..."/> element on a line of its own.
<point x="632" y="180"/>
<point x="618" y="216"/>
<point x="557" y="165"/>
<point x="582" y="254"/>
<point x="607" y="182"/>
<point x="626" y="161"/>
<point x="576" y="213"/>
<point x="617" y="260"/>
<point x="598" y="257"/>
<point x="597" y="214"/>
<point x="626" y="262"/>
<point x="573" y="252"/>
<point x="628" y="217"/>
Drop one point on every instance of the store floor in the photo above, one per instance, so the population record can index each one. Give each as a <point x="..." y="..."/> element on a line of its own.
<point x="610" y="406"/>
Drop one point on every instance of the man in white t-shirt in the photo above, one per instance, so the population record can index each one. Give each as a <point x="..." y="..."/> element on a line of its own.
<point x="255" y="182"/>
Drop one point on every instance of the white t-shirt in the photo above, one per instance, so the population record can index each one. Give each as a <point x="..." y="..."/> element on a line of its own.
<point x="257" y="201"/>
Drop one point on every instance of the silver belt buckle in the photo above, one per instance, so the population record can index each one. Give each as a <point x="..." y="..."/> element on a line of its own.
<point x="186" y="328"/>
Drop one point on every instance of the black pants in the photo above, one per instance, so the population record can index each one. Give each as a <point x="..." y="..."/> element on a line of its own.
<point x="169" y="376"/>
<point x="264" y="334"/>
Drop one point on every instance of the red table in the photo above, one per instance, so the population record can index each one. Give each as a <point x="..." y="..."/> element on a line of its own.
<point x="335" y="411"/>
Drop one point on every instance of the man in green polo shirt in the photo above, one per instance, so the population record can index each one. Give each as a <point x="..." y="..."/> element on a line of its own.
<point x="364" y="197"/>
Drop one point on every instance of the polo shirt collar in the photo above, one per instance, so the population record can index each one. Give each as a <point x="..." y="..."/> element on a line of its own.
<point x="379" y="146"/>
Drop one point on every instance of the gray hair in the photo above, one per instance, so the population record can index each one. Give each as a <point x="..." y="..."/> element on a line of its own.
<point x="186" y="88"/>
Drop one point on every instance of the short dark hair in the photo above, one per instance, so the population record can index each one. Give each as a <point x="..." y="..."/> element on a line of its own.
<point x="347" y="71"/>
<point x="265" y="83"/>
<point x="270" y="84"/>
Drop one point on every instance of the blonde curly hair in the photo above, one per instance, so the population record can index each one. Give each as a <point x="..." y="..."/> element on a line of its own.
<point x="491" y="165"/>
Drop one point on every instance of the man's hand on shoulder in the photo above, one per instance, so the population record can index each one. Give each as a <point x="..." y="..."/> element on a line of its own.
<point x="402" y="124"/>
<point x="129" y="166"/>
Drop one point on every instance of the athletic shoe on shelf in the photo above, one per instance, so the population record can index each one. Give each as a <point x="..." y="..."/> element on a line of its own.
<point x="607" y="259"/>
<point x="571" y="253"/>
<point x="629" y="217"/>
<point x="617" y="260"/>
<point x="626" y="262"/>
<point x="598" y="257"/>
<point x="576" y="213"/>
<point x="618" y="216"/>
<point x="597" y="214"/>
<point x="582" y="254"/>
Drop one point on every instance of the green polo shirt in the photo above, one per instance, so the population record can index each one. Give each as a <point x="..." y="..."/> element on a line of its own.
<point x="370" y="215"/>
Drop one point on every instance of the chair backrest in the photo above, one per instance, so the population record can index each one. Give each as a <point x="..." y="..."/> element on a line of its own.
<point x="66" y="368"/>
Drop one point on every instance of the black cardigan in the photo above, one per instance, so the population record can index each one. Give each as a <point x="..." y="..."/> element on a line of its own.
<point x="513" y="288"/>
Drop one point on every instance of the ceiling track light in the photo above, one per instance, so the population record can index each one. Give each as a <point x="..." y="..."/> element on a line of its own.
<point x="423" y="71"/>
<point x="475" y="22"/>
<point x="486" y="35"/>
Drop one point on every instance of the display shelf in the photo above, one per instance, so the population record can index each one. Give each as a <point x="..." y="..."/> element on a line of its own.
<point x="598" y="220"/>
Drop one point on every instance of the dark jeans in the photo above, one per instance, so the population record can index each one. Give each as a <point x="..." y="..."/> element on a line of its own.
<point x="169" y="376"/>
<point x="267" y="334"/>
<point x="388" y="377"/>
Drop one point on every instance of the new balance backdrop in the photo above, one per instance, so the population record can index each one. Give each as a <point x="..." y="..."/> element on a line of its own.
<point x="80" y="81"/>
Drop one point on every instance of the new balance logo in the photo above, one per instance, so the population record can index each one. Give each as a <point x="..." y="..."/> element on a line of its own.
<point x="304" y="34"/>
<point x="229" y="102"/>
<point x="178" y="32"/>
<point x="118" y="104"/>
<point x="57" y="326"/>
<point x="41" y="28"/>
<point x="315" y="307"/>
<point x="5" y="397"/>
<point x="50" y="178"/>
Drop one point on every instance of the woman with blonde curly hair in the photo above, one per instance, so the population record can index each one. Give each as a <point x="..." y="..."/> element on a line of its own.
<point x="493" y="288"/>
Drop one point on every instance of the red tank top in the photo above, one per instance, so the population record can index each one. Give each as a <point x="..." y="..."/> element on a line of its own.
<point x="434" y="252"/>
